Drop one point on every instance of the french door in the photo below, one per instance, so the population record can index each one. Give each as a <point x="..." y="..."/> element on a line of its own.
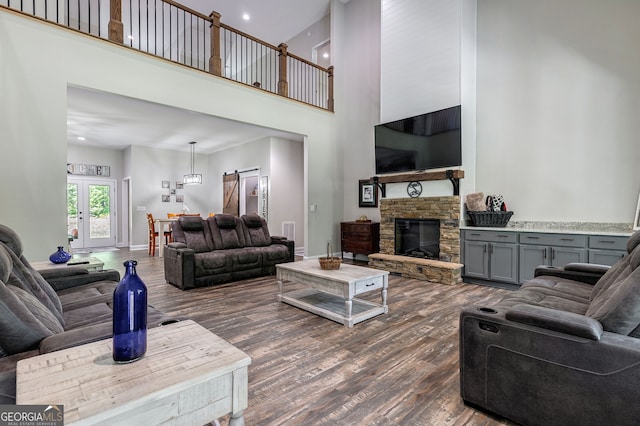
<point x="91" y="219"/>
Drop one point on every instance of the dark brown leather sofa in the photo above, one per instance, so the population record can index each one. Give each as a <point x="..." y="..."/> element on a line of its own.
<point x="564" y="349"/>
<point x="221" y="249"/>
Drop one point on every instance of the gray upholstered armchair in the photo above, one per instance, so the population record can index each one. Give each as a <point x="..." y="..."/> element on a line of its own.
<point x="37" y="317"/>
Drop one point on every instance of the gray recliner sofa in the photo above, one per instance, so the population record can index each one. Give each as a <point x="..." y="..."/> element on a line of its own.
<point x="49" y="310"/>
<point x="222" y="248"/>
<point x="564" y="349"/>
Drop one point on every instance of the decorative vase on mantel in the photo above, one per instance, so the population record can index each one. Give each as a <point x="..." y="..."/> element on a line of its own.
<point x="60" y="256"/>
<point x="129" y="316"/>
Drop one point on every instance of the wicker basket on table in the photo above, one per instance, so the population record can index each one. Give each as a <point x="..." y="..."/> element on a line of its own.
<point x="329" y="262"/>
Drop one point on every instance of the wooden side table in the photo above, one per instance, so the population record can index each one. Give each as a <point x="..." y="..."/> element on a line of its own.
<point x="360" y="237"/>
<point x="188" y="373"/>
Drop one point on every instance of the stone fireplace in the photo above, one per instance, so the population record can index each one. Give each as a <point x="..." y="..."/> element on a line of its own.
<point x="446" y="268"/>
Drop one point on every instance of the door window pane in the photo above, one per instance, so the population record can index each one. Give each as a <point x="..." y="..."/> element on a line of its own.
<point x="72" y="210"/>
<point x="99" y="211"/>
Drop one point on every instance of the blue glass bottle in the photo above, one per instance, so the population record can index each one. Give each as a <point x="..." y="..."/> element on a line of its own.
<point x="129" y="316"/>
<point x="60" y="256"/>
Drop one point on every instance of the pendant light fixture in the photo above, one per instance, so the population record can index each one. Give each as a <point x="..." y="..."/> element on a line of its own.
<point x="192" y="178"/>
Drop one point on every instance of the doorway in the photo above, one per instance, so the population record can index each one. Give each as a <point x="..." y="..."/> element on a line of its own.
<point x="249" y="192"/>
<point x="91" y="219"/>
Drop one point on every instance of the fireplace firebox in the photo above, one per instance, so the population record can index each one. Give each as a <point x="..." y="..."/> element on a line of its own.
<point x="417" y="238"/>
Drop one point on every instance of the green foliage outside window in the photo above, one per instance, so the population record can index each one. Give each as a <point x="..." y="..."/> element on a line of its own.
<point x="99" y="200"/>
<point x="72" y="200"/>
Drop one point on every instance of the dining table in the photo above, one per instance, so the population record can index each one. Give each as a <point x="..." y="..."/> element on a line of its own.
<point x="163" y="225"/>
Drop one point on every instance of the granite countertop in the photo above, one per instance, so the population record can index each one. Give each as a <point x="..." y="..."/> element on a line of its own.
<point x="614" y="229"/>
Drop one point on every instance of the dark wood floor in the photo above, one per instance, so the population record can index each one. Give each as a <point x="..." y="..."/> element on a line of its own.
<point x="395" y="369"/>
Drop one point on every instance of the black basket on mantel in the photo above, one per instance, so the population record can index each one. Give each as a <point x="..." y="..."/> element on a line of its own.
<point x="490" y="219"/>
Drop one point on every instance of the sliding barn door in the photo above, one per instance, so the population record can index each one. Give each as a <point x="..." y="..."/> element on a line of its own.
<point x="231" y="191"/>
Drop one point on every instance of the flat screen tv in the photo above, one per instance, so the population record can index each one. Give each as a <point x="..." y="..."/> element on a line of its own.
<point x="427" y="141"/>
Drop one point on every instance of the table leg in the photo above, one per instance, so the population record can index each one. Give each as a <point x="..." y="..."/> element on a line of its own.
<point x="237" y="419"/>
<point x="280" y="285"/>
<point x="385" y="285"/>
<point x="348" y="305"/>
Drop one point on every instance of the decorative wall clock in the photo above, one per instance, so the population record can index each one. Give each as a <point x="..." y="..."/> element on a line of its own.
<point x="414" y="189"/>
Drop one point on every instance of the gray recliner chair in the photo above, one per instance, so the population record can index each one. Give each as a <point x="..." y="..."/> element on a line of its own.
<point x="563" y="349"/>
<point x="38" y="317"/>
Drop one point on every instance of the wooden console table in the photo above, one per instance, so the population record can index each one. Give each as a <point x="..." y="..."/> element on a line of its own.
<point x="188" y="376"/>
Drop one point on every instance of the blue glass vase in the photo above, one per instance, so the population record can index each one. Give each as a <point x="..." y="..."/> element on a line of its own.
<point x="129" y="316"/>
<point x="60" y="256"/>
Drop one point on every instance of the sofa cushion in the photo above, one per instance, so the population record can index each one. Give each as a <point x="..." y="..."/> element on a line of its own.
<point x="546" y="298"/>
<point x="617" y="306"/>
<point x="633" y="242"/>
<point x="31" y="281"/>
<point x="621" y="269"/>
<point x="225" y="221"/>
<point x="574" y="288"/>
<point x="37" y="309"/>
<point x="11" y="240"/>
<point x="196" y="235"/>
<point x="257" y="232"/>
<point x="21" y="330"/>
<point x="231" y="232"/>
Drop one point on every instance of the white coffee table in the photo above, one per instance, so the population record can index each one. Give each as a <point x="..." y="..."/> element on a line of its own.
<point x="331" y="293"/>
<point x="188" y="376"/>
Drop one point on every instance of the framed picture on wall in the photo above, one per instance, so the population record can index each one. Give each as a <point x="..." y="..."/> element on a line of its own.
<point x="636" y="221"/>
<point x="367" y="194"/>
<point x="165" y="184"/>
<point x="166" y="198"/>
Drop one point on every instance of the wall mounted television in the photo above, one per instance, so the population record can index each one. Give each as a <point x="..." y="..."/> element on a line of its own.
<point x="423" y="142"/>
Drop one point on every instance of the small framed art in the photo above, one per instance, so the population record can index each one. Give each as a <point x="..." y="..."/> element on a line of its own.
<point x="367" y="194"/>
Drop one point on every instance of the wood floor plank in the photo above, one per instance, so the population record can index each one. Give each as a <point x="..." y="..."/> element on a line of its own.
<point x="400" y="368"/>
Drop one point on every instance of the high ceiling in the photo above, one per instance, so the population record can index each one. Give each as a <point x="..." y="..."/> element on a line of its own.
<point x="273" y="21"/>
<point x="116" y="122"/>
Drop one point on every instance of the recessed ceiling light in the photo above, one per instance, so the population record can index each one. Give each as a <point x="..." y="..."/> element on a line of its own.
<point x="80" y="138"/>
<point x="130" y="37"/>
<point x="325" y="55"/>
<point x="246" y="16"/>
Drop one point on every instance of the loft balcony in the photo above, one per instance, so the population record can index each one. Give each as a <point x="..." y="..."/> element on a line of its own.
<point x="169" y="30"/>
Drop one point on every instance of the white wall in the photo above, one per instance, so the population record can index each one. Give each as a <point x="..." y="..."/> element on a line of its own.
<point x="558" y="102"/>
<point x="420" y="70"/>
<point x="40" y="60"/>
<point x="424" y="45"/>
<point x="152" y="166"/>
<point x="282" y="161"/>
<point x="359" y="103"/>
<point x="302" y="44"/>
<point x="286" y="195"/>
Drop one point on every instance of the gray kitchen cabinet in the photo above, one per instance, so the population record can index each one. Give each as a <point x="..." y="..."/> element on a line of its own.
<point x="606" y="249"/>
<point x="492" y="256"/>
<point x="549" y="249"/>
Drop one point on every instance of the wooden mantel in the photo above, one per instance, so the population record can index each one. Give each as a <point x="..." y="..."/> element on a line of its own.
<point x="453" y="175"/>
<point x="418" y="176"/>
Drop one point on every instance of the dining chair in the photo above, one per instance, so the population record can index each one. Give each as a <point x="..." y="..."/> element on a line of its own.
<point x="153" y="234"/>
